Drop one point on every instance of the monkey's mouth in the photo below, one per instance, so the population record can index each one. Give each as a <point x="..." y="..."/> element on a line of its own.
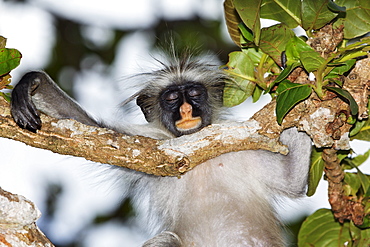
<point x="188" y="123"/>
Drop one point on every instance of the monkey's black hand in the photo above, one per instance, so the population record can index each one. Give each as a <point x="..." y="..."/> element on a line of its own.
<point x="23" y="109"/>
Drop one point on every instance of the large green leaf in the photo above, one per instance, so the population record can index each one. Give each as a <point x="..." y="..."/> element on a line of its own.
<point x="249" y="12"/>
<point x="321" y="229"/>
<point x="241" y="68"/>
<point x="274" y="40"/>
<point x="289" y="94"/>
<point x="232" y="21"/>
<point x="316" y="14"/>
<point x="316" y="171"/>
<point x="284" y="11"/>
<point x="356" y="22"/>
<point x="9" y="60"/>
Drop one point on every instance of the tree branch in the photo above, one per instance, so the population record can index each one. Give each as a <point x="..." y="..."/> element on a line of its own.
<point x="171" y="157"/>
<point x="343" y="207"/>
<point x="321" y="119"/>
<point x="176" y="156"/>
<point x="17" y="222"/>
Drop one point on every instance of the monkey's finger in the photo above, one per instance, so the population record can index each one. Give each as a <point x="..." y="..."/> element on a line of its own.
<point x="24" y="111"/>
<point x="27" y="118"/>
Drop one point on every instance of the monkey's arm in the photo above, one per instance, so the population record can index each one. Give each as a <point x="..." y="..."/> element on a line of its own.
<point x="37" y="91"/>
<point x="289" y="176"/>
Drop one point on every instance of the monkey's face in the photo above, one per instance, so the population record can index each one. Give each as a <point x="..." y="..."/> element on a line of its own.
<point x="185" y="108"/>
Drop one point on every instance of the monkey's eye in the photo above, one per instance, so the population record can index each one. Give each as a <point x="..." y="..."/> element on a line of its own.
<point x="172" y="97"/>
<point x="195" y="92"/>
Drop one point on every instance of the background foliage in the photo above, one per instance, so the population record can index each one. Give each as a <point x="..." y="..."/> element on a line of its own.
<point x="270" y="55"/>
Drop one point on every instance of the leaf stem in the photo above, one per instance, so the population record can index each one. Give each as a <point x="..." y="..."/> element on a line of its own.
<point x="260" y="73"/>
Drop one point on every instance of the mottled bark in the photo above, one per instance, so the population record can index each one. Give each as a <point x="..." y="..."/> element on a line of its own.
<point x="17" y="222"/>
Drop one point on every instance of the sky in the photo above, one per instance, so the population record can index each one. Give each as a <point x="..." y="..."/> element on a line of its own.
<point x="26" y="170"/>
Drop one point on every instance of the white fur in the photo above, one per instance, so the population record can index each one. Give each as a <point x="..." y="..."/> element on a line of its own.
<point x="225" y="201"/>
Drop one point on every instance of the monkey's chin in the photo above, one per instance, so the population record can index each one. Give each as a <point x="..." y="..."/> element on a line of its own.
<point x="188" y="124"/>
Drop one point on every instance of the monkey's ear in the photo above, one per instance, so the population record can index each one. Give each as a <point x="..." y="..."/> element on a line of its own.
<point x="143" y="100"/>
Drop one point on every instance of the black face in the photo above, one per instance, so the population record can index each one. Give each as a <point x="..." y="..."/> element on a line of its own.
<point x="185" y="108"/>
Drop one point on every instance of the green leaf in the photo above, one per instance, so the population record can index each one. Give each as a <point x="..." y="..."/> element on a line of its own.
<point x="361" y="237"/>
<point x="311" y="60"/>
<point x="289" y="94"/>
<point x="316" y="14"/>
<point x="292" y="49"/>
<point x="352" y="184"/>
<point x="361" y="129"/>
<point x="340" y="69"/>
<point x="237" y="93"/>
<point x="249" y="12"/>
<point x="6" y="96"/>
<point x="254" y="54"/>
<point x="241" y="68"/>
<point x="358" y="159"/>
<point x="290" y="66"/>
<point x="274" y="40"/>
<point x="345" y="94"/>
<point x="298" y="50"/>
<point x="365" y="182"/>
<point x="321" y="229"/>
<point x="295" y="46"/>
<point x="316" y="171"/>
<point x="363" y="133"/>
<point x="9" y="60"/>
<point x="246" y="32"/>
<point x="232" y="21"/>
<point x="357" y="130"/>
<point x="356" y="22"/>
<point x="257" y="94"/>
<point x="284" y="11"/>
